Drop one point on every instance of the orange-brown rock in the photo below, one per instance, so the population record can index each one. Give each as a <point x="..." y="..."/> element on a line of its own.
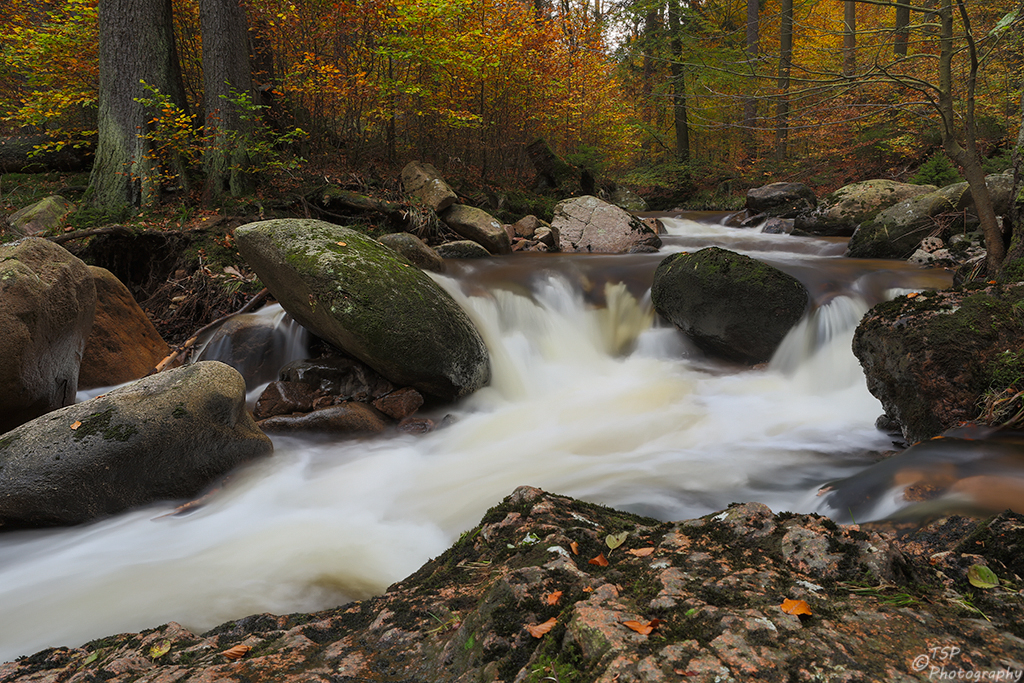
<point x="123" y="344"/>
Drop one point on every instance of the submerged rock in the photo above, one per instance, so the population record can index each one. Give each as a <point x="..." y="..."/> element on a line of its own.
<point x="537" y="591"/>
<point x="164" y="437"/>
<point x="370" y="302"/>
<point x="730" y="305"/>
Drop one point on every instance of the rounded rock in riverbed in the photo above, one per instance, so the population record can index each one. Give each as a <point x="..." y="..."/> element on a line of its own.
<point x="369" y="301"/>
<point x="166" y="436"/>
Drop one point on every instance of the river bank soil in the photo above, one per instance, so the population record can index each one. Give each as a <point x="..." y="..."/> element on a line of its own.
<point x="548" y="588"/>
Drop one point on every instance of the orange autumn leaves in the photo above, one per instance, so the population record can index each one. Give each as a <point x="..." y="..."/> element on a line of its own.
<point x="797" y="608"/>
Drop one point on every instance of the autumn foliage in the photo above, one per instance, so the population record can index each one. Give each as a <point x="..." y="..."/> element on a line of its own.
<point x="469" y="83"/>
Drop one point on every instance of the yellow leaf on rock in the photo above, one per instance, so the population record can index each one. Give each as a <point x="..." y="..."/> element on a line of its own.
<point x="76" y="424"/>
<point x="160" y="650"/>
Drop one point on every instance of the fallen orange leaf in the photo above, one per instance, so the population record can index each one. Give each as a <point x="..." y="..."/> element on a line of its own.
<point x="641" y="552"/>
<point x="600" y="560"/>
<point x="588" y="589"/>
<point x="912" y="295"/>
<point x="575" y="548"/>
<point x="553" y="598"/>
<point x="76" y="424"/>
<point x="642" y="628"/>
<point x="538" y="630"/>
<point x="795" y="607"/>
<point x="237" y="652"/>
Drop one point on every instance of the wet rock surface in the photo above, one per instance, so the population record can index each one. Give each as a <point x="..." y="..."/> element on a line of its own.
<point x="525" y="597"/>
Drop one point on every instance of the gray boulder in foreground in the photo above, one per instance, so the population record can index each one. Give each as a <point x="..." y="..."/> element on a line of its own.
<point x="370" y="302"/>
<point x="730" y="305"/>
<point x="166" y="436"/>
<point x="697" y="601"/>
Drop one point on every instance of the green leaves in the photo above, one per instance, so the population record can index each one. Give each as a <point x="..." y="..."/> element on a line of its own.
<point x="981" y="576"/>
<point x="615" y="540"/>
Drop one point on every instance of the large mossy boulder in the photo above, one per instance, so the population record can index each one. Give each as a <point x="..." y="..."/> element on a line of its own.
<point x="896" y="232"/>
<point x="839" y="213"/>
<point x="933" y="358"/>
<point x="47" y="303"/>
<point x="167" y="436"/>
<point x="731" y="306"/>
<point x="370" y="302"/>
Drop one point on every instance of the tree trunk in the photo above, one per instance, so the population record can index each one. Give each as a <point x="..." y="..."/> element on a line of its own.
<point x="752" y="47"/>
<point x="966" y="156"/>
<point x="1016" y="250"/>
<point x="136" y="44"/>
<point x="902" y="28"/>
<point x="682" y="127"/>
<point x="849" y="37"/>
<point x="785" y="64"/>
<point x="227" y="84"/>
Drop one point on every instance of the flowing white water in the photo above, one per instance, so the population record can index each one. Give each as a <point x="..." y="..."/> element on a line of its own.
<point x="597" y="403"/>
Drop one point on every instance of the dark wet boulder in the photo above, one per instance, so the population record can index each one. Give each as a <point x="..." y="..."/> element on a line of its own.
<point x="167" y="436"/>
<point x="284" y="398"/>
<point x="338" y="376"/>
<point x="780" y="200"/>
<point x="414" y="249"/>
<point x="731" y="306"/>
<point x="478" y="226"/>
<point x="462" y="249"/>
<point x="840" y="212"/>
<point x="370" y="302"/>
<point x="933" y="358"/>
<point x="349" y="418"/>
<point x="591" y="225"/>
<point x="123" y="344"/>
<point x="47" y="303"/>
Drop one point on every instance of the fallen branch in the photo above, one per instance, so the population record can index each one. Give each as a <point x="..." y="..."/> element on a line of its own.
<point x="191" y="341"/>
<point x="81" y="234"/>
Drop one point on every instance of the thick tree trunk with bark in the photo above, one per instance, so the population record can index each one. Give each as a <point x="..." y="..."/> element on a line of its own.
<point x="227" y="78"/>
<point x="136" y="44"/>
<point x="902" y="29"/>
<point x="679" y="104"/>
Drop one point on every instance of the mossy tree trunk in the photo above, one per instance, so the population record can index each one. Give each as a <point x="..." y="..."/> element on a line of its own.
<point x="227" y="78"/>
<point x="136" y="44"/>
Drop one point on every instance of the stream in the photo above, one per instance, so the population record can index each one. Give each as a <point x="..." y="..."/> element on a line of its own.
<point x="591" y="397"/>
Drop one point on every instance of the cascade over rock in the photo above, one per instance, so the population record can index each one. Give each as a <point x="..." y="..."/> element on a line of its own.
<point x="47" y="303"/>
<point x="839" y="213"/>
<point x="166" y="436"/>
<point x="123" y="345"/>
<point x="730" y="305"/>
<point x="370" y="302"/>
<point x="931" y="358"/>
<point x="589" y="224"/>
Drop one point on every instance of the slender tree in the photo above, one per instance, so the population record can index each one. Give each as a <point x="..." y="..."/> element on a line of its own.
<point x="849" y="37"/>
<point x="902" y="34"/>
<point x="785" y="65"/>
<point x="751" y="48"/>
<point x="136" y="45"/>
<point x="679" y="105"/>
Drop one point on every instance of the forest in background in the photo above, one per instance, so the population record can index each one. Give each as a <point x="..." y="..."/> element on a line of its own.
<point x="715" y="94"/>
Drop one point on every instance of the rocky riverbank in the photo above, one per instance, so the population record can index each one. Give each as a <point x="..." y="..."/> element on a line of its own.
<point x="548" y="588"/>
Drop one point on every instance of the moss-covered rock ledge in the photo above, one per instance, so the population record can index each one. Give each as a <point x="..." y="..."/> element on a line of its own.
<point x="884" y="607"/>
